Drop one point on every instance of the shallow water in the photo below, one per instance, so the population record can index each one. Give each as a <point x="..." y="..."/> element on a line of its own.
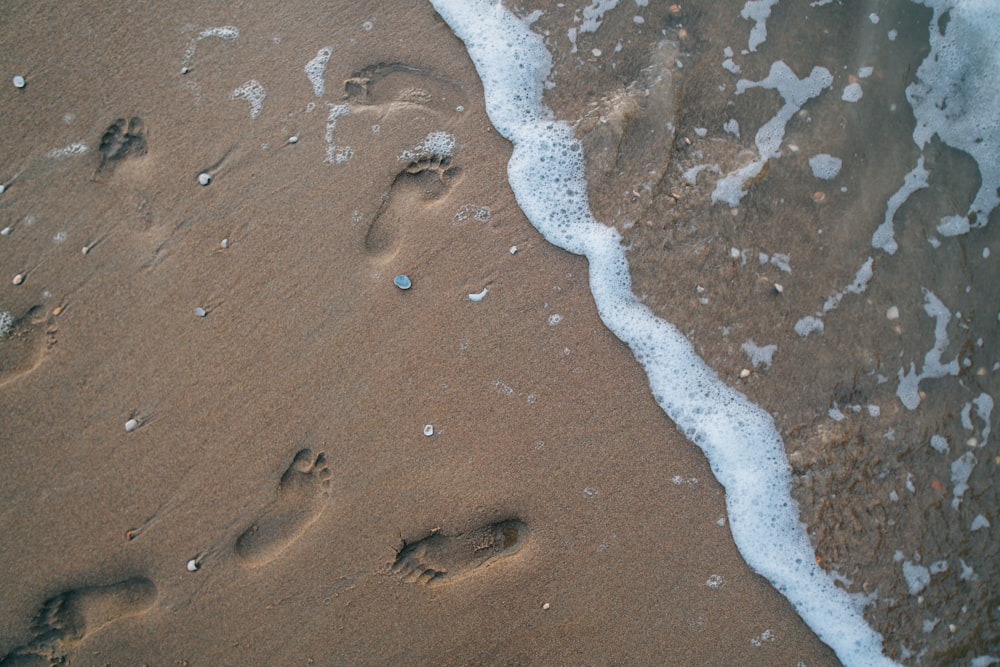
<point x="780" y="289"/>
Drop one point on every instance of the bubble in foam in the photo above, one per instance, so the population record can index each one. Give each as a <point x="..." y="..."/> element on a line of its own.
<point x="6" y="323"/>
<point x="253" y="92"/>
<point x="440" y="144"/>
<point x="316" y="68"/>
<point x="825" y="166"/>
<point x="852" y="92"/>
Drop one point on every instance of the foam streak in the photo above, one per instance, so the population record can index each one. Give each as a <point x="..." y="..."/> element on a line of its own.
<point x="738" y="438"/>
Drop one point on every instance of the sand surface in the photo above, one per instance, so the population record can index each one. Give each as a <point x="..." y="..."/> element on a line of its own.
<point x="555" y="515"/>
<point x="279" y="439"/>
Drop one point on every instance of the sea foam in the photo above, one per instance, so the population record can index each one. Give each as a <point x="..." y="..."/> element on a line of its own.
<point x="744" y="450"/>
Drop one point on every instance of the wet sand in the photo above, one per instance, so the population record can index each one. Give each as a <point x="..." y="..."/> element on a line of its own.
<point x="555" y="516"/>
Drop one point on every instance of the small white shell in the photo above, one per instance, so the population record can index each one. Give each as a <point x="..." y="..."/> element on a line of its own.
<point x="131" y="425"/>
<point x="429" y="430"/>
<point x="545" y="607"/>
<point x="18" y="279"/>
<point x="745" y="373"/>
<point x="513" y="250"/>
<point x="200" y="312"/>
<point x="479" y="296"/>
<point x="204" y="178"/>
<point x="293" y="139"/>
<point x="18" y="81"/>
<point x="193" y="565"/>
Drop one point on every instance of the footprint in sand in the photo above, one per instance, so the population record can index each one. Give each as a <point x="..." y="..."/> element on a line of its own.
<point x="422" y="182"/>
<point x="122" y="140"/>
<point x="440" y="558"/>
<point x="25" y="342"/>
<point x="295" y="509"/>
<point x="68" y="618"/>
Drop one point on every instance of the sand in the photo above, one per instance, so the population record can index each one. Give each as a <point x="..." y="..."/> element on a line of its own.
<point x="276" y="500"/>
<point x="279" y="441"/>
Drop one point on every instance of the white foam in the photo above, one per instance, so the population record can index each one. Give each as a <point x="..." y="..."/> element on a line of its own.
<point x="253" y="93"/>
<point x="759" y="354"/>
<point x="978" y="523"/>
<point x="226" y="32"/>
<point x="739" y="439"/>
<point x="825" y="166"/>
<point x="917" y="577"/>
<point x="884" y="237"/>
<point x="76" y="148"/>
<point x="909" y="382"/>
<point x="593" y="14"/>
<point x="857" y="286"/>
<point x="852" y="92"/>
<point x="6" y="323"/>
<point x="961" y="470"/>
<point x="984" y="408"/>
<point x="757" y="11"/>
<point x="956" y="96"/>
<point x="808" y="325"/>
<point x="435" y="144"/>
<point x="795" y="92"/>
<point x="316" y="68"/>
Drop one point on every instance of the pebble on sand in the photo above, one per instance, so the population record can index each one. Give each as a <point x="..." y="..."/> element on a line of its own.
<point x="193" y="565"/>
<point x="204" y="178"/>
<point x="131" y="425"/>
<point x="429" y="430"/>
<point x="200" y="312"/>
<point x="402" y="282"/>
<point x="19" y="81"/>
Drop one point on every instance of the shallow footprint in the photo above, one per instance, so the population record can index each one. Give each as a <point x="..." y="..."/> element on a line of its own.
<point x="422" y="181"/>
<point x="69" y="617"/>
<point x="440" y="558"/>
<point x="295" y="509"/>
<point x="24" y="341"/>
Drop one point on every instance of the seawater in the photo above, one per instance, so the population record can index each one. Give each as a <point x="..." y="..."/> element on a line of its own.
<point x="945" y="113"/>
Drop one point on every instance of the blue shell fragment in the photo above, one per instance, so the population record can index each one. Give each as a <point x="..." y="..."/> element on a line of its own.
<point x="402" y="281"/>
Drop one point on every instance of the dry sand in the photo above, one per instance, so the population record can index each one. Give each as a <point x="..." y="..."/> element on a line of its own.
<point x="280" y="437"/>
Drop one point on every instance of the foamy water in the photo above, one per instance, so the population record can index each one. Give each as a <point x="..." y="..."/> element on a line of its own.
<point x="953" y="99"/>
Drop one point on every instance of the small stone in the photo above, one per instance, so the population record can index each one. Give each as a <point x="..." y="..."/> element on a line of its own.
<point x="193" y="565"/>
<point x="402" y="282"/>
<point x="204" y="178"/>
<point x="892" y="313"/>
<point x="200" y="312"/>
<point x="19" y="81"/>
<point x="745" y="373"/>
<point x="131" y="425"/>
<point x="18" y="279"/>
<point x="513" y="250"/>
<point x="224" y="244"/>
<point x="294" y="139"/>
<point x="546" y="606"/>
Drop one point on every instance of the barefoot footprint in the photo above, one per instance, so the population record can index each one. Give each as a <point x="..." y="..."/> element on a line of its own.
<point x="295" y="509"/>
<point x="68" y="618"/>
<point x="122" y="140"/>
<point x="423" y="181"/>
<point x="440" y="558"/>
